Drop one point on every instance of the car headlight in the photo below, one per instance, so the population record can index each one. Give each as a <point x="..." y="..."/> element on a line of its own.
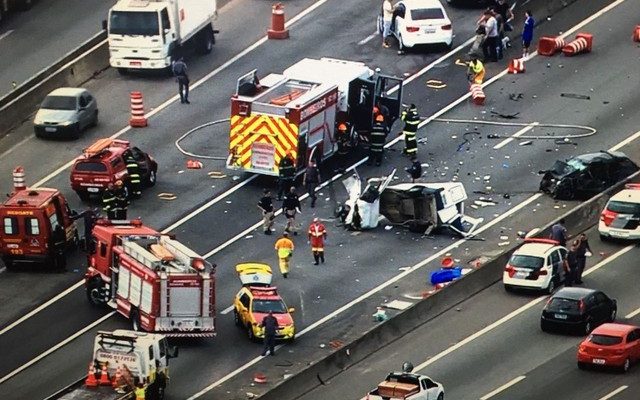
<point x="66" y="123"/>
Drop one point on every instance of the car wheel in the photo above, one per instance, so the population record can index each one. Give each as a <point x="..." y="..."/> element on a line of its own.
<point x="206" y="44"/>
<point x="441" y="396"/>
<point x="75" y="131"/>
<point x="94" y="292"/>
<point x="551" y="287"/>
<point x="544" y="326"/>
<point x="123" y="71"/>
<point x="151" y="180"/>
<point x="612" y="316"/>
<point x="587" y="328"/>
<point x="625" y="366"/>
<point x="563" y="192"/>
<point x="84" y="196"/>
<point x="236" y="318"/>
<point x="94" y="121"/>
<point x="582" y="365"/>
<point x="135" y="320"/>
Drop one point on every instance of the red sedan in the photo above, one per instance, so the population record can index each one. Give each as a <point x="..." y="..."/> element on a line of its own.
<point x="613" y="345"/>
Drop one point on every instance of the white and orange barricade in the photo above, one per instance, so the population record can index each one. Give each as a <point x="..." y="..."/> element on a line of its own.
<point x="636" y="34"/>
<point x="138" y="120"/>
<point x="516" y="66"/>
<point x="550" y="45"/>
<point x="477" y="94"/>
<point x="581" y="44"/>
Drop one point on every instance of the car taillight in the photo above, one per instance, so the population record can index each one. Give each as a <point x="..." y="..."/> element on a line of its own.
<point x="608" y="216"/>
<point x="412" y="29"/>
<point x="543" y="272"/>
<point x="446" y="27"/>
<point x="582" y="348"/>
<point x="510" y="270"/>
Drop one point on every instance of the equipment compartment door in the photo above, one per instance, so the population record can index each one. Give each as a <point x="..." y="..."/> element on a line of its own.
<point x="361" y="99"/>
<point x="392" y="101"/>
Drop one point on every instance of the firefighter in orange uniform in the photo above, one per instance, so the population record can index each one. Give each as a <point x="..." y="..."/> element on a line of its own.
<point x="317" y="236"/>
<point x="284" y="246"/>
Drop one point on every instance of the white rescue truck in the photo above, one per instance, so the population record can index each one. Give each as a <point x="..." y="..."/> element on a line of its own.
<point x="422" y="207"/>
<point x="149" y="34"/>
<point x="127" y="358"/>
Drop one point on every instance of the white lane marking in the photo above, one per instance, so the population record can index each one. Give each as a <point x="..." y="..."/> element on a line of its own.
<point x="227" y="310"/>
<point x="202" y="80"/>
<point x="515" y="135"/>
<point x="367" y="39"/>
<point x="632" y="314"/>
<point x="615" y="392"/>
<point x="7" y="33"/>
<point x="503" y="387"/>
<point x="511" y="315"/>
<point x="56" y="347"/>
<point x="41" y="307"/>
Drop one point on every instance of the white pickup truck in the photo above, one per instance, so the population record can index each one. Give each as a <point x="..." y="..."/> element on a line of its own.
<point x="407" y="386"/>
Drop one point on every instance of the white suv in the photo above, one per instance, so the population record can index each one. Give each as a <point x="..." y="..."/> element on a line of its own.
<point x="620" y="218"/>
<point x="537" y="264"/>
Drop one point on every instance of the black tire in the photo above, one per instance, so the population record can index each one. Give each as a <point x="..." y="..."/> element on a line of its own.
<point x="401" y="47"/>
<point x="544" y="326"/>
<point x="94" y="288"/>
<point x="206" y="41"/>
<point x="75" y="131"/>
<point x="135" y="320"/>
<point x="604" y="238"/>
<point x="123" y="71"/>
<point x="563" y="192"/>
<point x="551" y="287"/>
<point x="151" y="179"/>
<point x="441" y="396"/>
<point x="9" y="264"/>
<point x="582" y="365"/>
<point x="84" y="196"/>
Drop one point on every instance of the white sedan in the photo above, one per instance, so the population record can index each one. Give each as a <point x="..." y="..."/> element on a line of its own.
<point x="620" y="218"/>
<point x="421" y="22"/>
<point x="537" y="264"/>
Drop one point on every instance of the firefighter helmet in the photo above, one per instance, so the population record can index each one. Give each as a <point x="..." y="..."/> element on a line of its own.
<point x="119" y="183"/>
<point x="379" y="118"/>
<point x="342" y="127"/>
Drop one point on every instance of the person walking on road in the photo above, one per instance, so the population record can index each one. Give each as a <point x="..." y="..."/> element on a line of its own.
<point x="411" y="121"/>
<point x="387" y="18"/>
<point x="571" y="264"/>
<point x="270" y="325"/>
<point x="527" y="33"/>
<point x="108" y="201"/>
<point x="559" y="233"/>
<point x="376" y="145"/>
<point x="490" y="45"/>
<point x="284" y="248"/>
<point x="286" y="174"/>
<point x="583" y="249"/>
<point x="476" y="71"/>
<point x="180" y="72"/>
<point x="133" y="170"/>
<point x="290" y="207"/>
<point x="311" y="180"/>
<point x="317" y="236"/>
<point x="266" y="206"/>
<point x="121" y="203"/>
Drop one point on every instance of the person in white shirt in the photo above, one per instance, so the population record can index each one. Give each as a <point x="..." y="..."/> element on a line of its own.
<point x="387" y="17"/>
<point x="490" y="45"/>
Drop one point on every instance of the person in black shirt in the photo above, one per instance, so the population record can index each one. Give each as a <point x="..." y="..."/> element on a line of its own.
<point x="290" y="207"/>
<point x="266" y="205"/>
<point x="286" y="174"/>
<point x="571" y="264"/>
<point x="311" y="180"/>
<point x="581" y="257"/>
<point x="270" y="325"/>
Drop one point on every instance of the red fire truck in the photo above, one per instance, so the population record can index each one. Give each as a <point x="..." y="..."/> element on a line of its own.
<point x="150" y="278"/>
<point x="37" y="226"/>
<point x="297" y="112"/>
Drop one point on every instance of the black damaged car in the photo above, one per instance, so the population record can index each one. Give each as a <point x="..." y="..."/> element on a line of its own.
<point x="586" y="175"/>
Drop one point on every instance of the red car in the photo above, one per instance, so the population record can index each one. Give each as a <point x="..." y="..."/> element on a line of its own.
<point x="612" y="345"/>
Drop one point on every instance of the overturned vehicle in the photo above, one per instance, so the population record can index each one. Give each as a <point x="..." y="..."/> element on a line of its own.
<point x="586" y="175"/>
<point x="421" y="207"/>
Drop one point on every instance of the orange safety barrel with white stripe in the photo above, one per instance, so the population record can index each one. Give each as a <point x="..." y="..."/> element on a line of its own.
<point x="477" y="94"/>
<point x="18" y="179"/>
<point x="516" y="66"/>
<point x="550" y="45"/>
<point x="138" y="120"/>
<point x="582" y="44"/>
<point x="636" y="34"/>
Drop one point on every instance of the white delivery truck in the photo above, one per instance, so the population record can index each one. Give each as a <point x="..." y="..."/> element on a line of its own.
<point x="149" y="34"/>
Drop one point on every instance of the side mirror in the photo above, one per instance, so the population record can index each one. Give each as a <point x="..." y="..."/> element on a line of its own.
<point x="104" y="24"/>
<point x="172" y="352"/>
<point x="291" y="310"/>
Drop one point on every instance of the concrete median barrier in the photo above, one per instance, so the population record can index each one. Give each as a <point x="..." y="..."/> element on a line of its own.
<point x="577" y="220"/>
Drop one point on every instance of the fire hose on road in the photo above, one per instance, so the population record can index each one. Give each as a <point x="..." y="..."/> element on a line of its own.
<point x="193" y="130"/>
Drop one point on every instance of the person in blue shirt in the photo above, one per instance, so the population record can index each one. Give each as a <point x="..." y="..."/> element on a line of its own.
<point x="527" y="33"/>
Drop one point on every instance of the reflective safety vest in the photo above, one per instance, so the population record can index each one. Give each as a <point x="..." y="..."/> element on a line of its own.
<point x="108" y="200"/>
<point x="133" y="169"/>
<point x="476" y="67"/>
<point x="411" y="122"/>
<point x="140" y="393"/>
<point x="378" y="136"/>
<point x="285" y="247"/>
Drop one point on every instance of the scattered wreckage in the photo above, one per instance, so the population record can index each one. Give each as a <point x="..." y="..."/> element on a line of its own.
<point x="586" y="175"/>
<point x="422" y="207"/>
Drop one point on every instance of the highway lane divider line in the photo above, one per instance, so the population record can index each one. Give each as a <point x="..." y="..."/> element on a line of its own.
<point x="504" y="387"/>
<point x="632" y="314"/>
<point x="615" y="392"/>
<point x="513" y="314"/>
<point x="515" y="135"/>
<point x="56" y="347"/>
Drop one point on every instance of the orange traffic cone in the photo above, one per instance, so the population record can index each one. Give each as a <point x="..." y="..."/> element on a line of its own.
<point x="581" y="44"/>
<point x="91" y="380"/>
<point x="516" y="66"/>
<point x="636" y="34"/>
<point x="104" y="376"/>
<point x="194" y="164"/>
<point x="260" y="378"/>
<point x="138" y="120"/>
<point x="117" y="379"/>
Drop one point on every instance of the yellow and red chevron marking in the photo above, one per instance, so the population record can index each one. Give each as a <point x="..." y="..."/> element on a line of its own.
<point x="277" y="131"/>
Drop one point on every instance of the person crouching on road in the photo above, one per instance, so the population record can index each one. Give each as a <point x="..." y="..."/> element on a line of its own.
<point x="290" y="207"/>
<point x="266" y="206"/>
<point x="270" y="325"/>
<point x="317" y="236"/>
<point x="284" y="247"/>
<point x="476" y="71"/>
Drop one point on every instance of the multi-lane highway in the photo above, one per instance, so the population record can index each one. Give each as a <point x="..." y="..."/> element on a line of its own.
<point x="217" y="229"/>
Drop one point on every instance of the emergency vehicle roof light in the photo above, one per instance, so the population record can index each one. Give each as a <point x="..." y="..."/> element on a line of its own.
<point x="633" y="186"/>
<point x="541" y="240"/>
<point x="198" y="264"/>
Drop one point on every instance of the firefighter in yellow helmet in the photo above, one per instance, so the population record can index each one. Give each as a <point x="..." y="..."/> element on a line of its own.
<point x="377" y="140"/>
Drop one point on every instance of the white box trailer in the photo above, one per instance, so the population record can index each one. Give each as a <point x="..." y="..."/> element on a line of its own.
<point x="149" y="34"/>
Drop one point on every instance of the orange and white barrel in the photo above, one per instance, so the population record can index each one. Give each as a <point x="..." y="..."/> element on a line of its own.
<point x="18" y="179"/>
<point x="516" y="66"/>
<point x="477" y="94"/>
<point x="138" y="120"/>
<point x="574" y="47"/>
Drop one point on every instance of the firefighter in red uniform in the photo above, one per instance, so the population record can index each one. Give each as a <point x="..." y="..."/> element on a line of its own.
<point x="317" y="236"/>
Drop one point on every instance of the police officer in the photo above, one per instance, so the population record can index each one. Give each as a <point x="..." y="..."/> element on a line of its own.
<point x="109" y="201"/>
<point x="378" y="136"/>
<point x="180" y="72"/>
<point x="121" y="201"/>
<point x="411" y="120"/>
<point x="133" y="170"/>
<point x="286" y="174"/>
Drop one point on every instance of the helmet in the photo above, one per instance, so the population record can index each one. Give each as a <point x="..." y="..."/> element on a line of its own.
<point x="379" y="118"/>
<point x="119" y="183"/>
<point x="407" y="367"/>
<point x="376" y="110"/>
<point x="342" y="127"/>
<point x="413" y="107"/>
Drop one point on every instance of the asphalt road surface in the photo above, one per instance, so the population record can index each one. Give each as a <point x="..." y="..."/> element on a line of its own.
<point x="312" y="291"/>
<point x="514" y="359"/>
<point x="30" y="42"/>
